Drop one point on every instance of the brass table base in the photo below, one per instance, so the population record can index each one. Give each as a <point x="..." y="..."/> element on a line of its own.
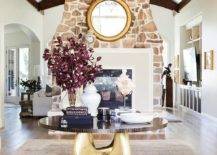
<point x="84" y="145"/>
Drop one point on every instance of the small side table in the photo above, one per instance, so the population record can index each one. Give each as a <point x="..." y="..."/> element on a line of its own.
<point x="26" y="105"/>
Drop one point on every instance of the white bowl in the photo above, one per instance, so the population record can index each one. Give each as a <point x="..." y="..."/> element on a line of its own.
<point x="136" y="118"/>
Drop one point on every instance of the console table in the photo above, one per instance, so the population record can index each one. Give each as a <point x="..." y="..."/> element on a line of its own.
<point x="84" y="144"/>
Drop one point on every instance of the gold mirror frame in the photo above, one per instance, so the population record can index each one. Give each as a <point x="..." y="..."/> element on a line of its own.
<point x="115" y="37"/>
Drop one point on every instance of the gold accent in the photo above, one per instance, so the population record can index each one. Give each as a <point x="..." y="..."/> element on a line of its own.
<point x="112" y="38"/>
<point x="209" y="60"/>
<point x="84" y="145"/>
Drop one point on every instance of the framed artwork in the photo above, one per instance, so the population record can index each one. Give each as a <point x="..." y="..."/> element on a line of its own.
<point x="209" y="60"/>
<point x="106" y="86"/>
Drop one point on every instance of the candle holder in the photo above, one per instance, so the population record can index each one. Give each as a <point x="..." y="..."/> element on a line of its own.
<point x="124" y="107"/>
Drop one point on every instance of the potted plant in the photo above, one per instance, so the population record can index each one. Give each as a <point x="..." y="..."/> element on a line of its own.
<point x="31" y="86"/>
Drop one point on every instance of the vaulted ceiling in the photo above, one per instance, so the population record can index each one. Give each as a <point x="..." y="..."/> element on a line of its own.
<point x="175" y="5"/>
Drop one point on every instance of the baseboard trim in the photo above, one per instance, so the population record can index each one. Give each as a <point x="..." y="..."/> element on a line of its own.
<point x="199" y="114"/>
<point x="209" y="117"/>
<point x="188" y="110"/>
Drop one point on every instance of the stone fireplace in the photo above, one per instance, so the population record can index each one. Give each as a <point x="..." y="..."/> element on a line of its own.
<point x="142" y="34"/>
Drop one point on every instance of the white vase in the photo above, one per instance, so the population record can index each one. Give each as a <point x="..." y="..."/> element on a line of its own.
<point x="91" y="99"/>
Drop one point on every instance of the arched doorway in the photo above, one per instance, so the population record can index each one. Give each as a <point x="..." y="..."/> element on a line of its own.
<point x="22" y="59"/>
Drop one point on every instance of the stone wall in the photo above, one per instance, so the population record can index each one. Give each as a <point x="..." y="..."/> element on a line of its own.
<point x="142" y="34"/>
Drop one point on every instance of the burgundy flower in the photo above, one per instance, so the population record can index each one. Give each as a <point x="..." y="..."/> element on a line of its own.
<point x="72" y="63"/>
<point x="98" y="58"/>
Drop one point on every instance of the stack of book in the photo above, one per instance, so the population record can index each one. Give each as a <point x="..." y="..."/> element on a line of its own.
<point x="77" y="116"/>
<point x="77" y="111"/>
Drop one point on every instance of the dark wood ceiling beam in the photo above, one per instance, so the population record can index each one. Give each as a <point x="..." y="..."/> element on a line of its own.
<point x="46" y="4"/>
<point x="34" y="3"/>
<point x="169" y="4"/>
<point x="182" y="4"/>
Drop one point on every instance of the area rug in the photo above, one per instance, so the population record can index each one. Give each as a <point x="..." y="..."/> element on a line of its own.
<point x="142" y="147"/>
<point x="170" y="117"/>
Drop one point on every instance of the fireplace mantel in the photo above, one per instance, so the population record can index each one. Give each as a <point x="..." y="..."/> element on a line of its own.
<point x="141" y="61"/>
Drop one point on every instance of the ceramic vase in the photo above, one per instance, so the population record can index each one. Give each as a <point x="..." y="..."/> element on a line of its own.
<point x="91" y="99"/>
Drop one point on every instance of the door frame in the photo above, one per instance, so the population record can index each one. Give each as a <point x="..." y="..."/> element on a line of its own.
<point x="14" y="99"/>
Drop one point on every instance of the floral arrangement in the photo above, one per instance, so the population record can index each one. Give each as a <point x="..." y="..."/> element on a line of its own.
<point x="125" y="84"/>
<point x="72" y="63"/>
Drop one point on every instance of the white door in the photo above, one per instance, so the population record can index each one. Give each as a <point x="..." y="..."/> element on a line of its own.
<point x="23" y="66"/>
<point x="17" y="68"/>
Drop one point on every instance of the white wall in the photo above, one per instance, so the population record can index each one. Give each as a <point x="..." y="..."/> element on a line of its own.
<point x="165" y="22"/>
<point x="20" y="39"/>
<point x="16" y="39"/>
<point x="52" y="18"/>
<point x="21" y="12"/>
<point x="207" y="8"/>
<point x="35" y="57"/>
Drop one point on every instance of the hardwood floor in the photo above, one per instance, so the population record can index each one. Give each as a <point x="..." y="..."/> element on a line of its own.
<point x="196" y="130"/>
<point x="17" y="131"/>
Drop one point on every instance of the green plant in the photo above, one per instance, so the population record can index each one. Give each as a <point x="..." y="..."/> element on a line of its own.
<point x="31" y="86"/>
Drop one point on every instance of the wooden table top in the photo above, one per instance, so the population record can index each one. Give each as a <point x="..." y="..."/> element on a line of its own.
<point x="54" y="123"/>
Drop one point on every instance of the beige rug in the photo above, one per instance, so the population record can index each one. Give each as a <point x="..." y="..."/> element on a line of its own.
<point x="65" y="147"/>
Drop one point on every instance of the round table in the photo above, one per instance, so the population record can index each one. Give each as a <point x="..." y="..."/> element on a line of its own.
<point x="84" y="144"/>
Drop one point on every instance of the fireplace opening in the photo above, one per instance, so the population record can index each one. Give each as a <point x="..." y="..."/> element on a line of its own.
<point x="106" y="86"/>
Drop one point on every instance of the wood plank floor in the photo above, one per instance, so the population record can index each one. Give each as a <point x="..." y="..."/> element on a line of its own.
<point x="196" y="130"/>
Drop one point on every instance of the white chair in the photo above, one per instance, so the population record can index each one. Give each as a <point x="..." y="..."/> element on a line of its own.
<point x="55" y="110"/>
<point x="41" y="103"/>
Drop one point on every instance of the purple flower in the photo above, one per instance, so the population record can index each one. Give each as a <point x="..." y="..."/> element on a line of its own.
<point x="72" y="63"/>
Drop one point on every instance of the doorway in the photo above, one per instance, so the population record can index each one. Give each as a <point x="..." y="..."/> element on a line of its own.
<point x="22" y="56"/>
<point x="17" y="69"/>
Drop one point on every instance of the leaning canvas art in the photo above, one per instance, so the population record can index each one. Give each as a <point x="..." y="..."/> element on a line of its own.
<point x="209" y="60"/>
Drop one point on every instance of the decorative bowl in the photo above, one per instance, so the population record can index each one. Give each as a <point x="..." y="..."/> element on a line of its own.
<point x="136" y="118"/>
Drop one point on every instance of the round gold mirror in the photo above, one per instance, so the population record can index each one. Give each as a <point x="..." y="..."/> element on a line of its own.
<point x="110" y="20"/>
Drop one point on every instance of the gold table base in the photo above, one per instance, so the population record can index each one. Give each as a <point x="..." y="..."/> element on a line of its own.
<point x="84" y="145"/>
